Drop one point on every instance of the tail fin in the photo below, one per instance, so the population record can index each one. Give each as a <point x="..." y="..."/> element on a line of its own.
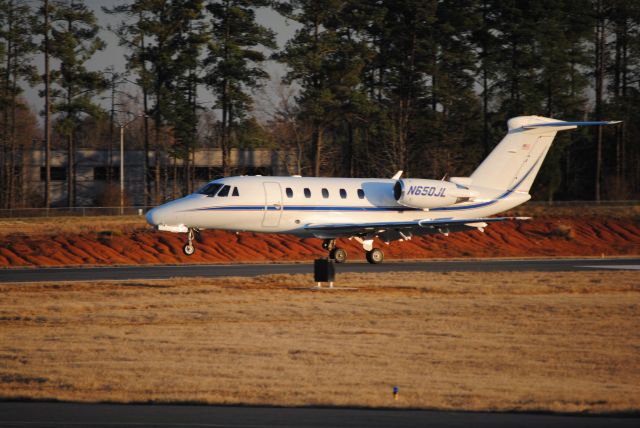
<point x="516" y="160"/>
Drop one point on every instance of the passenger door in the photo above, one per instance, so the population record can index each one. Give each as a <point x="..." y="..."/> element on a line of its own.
<point x="272" y="205"/>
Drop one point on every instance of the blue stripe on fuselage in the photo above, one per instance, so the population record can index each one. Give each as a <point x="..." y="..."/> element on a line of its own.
<point x="303" y="208"/>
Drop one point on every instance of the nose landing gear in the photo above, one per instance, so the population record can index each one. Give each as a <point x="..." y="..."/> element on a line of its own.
<point x="335" y="253"/>
<point x="339" y="255"/>
<point x="188" y="248"/>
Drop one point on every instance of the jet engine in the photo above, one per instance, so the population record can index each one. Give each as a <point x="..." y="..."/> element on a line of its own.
<point x="425" y="194"/>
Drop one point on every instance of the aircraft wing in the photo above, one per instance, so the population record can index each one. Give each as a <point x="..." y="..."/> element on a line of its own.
<point x="424" y="226"/>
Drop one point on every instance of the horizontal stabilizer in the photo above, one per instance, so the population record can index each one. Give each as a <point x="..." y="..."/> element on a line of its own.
<point x="564" y="124"/>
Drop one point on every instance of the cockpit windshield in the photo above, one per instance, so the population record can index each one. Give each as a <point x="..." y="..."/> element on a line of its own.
<point x="210" y="189"/>
<point x="224" y="192"/>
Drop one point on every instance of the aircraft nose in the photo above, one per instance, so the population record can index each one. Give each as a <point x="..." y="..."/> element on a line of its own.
<point x="154" y="216"/>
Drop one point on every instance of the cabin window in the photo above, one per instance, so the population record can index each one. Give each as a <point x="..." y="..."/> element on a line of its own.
<point x="224" y="192"/>
<point x="361" y="193"/>
<point x="343" y="194"/>
<point x="325" y="193"/>
<point x="235" y="192"/>
<point x="289" y="192"/>
<point x="210" y="189"/>
<point x="307" y="193"/>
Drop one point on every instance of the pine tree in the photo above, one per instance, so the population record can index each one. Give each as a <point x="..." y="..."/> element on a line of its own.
<point x="17" y="47"/>
<point x="43" y="28"/>
<point x="561" y="47"/>
<point x="485" y="42"/>
<point x="168" y="27"/>
<point x="131" y="36"/>
<point x="74" y="42"/>
<point x="517" y="26"/>
<point x="347" y="73"/>
<point x="153" y="62"/>
<point x="623" y="76"/>
<point x="452" y="100"/>
<point x="188" y="45"/>
<point x="234" y="62"/>
<point x="408" y="50"/>
<point x="306" y="56"/>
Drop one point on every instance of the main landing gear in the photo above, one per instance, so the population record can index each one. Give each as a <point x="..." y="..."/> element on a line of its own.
<point x="188" y="248"/>
<point x="335" y="253"/>
<point x="374" y="255"/>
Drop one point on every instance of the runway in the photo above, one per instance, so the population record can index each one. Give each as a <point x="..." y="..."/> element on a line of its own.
<point x="41" y="415"/>
<point x="106" y="273"/>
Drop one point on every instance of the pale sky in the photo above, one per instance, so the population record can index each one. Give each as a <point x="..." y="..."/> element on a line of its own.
<point x="113" y="55"/>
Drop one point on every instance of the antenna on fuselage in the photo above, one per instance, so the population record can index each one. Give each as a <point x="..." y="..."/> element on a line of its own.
<point x="397" y="175"/>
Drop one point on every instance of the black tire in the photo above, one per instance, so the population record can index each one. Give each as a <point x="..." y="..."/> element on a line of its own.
<point x="339" y="255"/>
<point x="189" y="249"/>
<point x="375" y="256"/>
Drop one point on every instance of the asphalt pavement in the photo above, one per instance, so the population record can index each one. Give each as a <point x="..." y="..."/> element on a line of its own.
<point x="59" y="415"/>
<point x="216" y="270"/>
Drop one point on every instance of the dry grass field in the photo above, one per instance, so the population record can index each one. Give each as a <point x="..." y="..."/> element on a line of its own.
<point x="565" y="342"/>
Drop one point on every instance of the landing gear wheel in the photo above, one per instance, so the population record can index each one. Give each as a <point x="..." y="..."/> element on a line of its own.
<point x="189" y="249"/>
<point x="375" y="256"/>
<point x="339" y="255"/>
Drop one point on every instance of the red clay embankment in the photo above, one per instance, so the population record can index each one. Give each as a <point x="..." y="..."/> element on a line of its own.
<point x="108" y="244"/>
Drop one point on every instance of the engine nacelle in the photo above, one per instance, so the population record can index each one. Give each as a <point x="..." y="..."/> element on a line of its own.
<point x="418" y="193"/>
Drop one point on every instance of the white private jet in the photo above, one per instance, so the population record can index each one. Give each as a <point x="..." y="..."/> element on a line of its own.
<point x="365" y="208"/>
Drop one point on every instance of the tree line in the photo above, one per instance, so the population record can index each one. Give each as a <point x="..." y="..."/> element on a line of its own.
<point x="371" y="87"/>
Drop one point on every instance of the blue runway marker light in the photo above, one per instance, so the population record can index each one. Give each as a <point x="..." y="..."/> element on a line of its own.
<point x="395" y="392"/>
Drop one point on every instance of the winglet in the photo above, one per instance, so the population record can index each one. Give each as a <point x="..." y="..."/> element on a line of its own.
<point x="397" y="175"/>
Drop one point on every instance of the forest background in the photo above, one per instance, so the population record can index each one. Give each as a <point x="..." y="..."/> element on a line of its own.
<point x="369" y="87"/>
